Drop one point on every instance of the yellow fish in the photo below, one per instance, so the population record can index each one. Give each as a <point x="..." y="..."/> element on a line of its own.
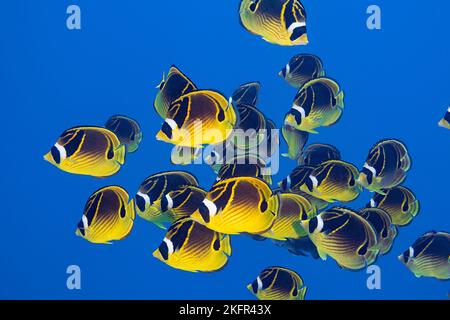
<point x="301" y="69"/>
<point x="293" y="208"/>
<point x="345" y="236"/>
<point x="295" y="139"/>
<point x="155" y="188"/>
<point x="250" y="130"/>
<point x="318" y="153"/>
<point x="238" y="205"/>
<point x="245" y="166"/>
<point x="88" y="151"/>
<point x="281" y="22"/>
<point x="198" y="118"/>
<point x="319" y="103"/>
<point x="386" y="166"/>
<point x="190" y="246"/>
<point x="277" y="283"/>
<point x="108" y="216"/>
<point x="332" y="181"/>
<point x="127" y="130"/>
<point x="383" y="227"/>
<point x="429" y="256"/>
<point x="400" y="203"/>
<point x="176" y="85"/>
<point x="182" y="202"/>
<point x="247" y="94"/>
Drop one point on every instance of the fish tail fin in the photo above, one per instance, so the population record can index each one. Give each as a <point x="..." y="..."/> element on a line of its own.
<point x="120" y="153"/>
<point x="226" y="244"/>
<point x="340" y="100"/>
<point x="131" y="209"/>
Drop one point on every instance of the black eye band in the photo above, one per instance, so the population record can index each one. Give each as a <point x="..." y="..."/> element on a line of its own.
<point x="55" y="155"/>
<point x="167" y="130"/>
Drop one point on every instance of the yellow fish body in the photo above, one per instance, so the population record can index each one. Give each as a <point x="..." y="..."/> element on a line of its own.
<point x="332" y="181"/>
<point x="190" y="246"/>
<point x="127" y="130"/>
<point x="182" y="202"/>
<point x="386" y="166"/>
<point x="319" y="103"/>
<point x="91" y="151"/>
<point x="429" y="256"/>
<point x="293" y="208"/>
<point x="238" y="205"/>
<point x="301" y="69"/>
<point x="383" y="227"/>
<point x="198" y="118"/>
<point x="318" y="153"/>
<point x="176" y="85"/>
<point x="345" y="236"/>
<point x="108" y="216"/>
<point x="277" y="283"/>
<point x="154" y="189"/>
<point x="281" y="22"/>
<point x="247" y="94"/>
<point x="295" y="139"/>
<point x="400" y="203"/>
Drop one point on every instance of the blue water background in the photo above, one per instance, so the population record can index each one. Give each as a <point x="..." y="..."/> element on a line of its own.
<point x="396" y="85"/>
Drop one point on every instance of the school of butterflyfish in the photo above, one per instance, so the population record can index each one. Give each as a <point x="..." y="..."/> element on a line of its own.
<point x="307" y="213"/>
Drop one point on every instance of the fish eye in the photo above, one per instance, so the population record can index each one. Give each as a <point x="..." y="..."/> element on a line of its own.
<point x="313" y="223"/>
<point x="254" y="5"/>
<point x="55" y="155"/>
<point x="384" y="234"/>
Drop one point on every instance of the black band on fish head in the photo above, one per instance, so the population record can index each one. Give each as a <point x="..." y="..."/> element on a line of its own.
<point x="204" y="212"/>
<point x="297" y="33"/>
<point x="284" y="72"/>
<point x="140" y="202"/>
<point x="255" y="287"/>
<point x="369" y="175"/>
<point x="313" y="223"/>
<point x="164" y="250"/>
<point x="167" y="130"/>
<point x="55" y="155"/>
<point x="297" y="116"/>
<point x="81" y="228"/>
<point x="309" y="184"/>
